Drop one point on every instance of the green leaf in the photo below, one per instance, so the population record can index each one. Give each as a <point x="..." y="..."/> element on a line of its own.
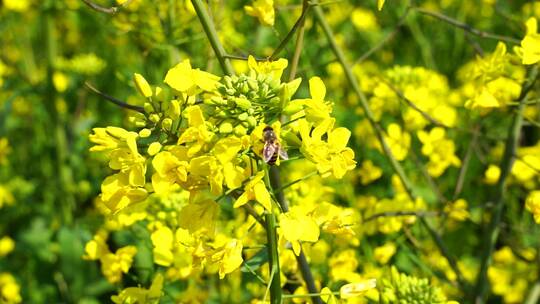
<point x="256" y="261"/>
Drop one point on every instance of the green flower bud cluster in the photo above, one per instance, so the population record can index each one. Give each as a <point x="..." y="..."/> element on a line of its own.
<point x="404" y="289"/>
<point x="159" y="112"/>
<point x="246" y="100"/>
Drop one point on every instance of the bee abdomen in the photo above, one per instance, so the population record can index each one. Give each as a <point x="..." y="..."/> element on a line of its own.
<point x="273" y="159"/>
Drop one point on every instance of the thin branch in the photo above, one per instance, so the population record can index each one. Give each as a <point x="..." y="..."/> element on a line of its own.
<point x="465" y="165"/>
<point x="419" y="213"/>
<point x="298" y="24"/>
<point x="299" y="44"/>
<point x="113" y="10"/>
<point x="466" y="27"/>
<point x="242" y="57"/>
<point x="280" y="189"/>
<point x="114" y="100"/>
<point x="432" y="184"/>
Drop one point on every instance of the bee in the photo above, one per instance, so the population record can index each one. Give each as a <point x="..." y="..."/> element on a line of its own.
<point x="272" y="148"/>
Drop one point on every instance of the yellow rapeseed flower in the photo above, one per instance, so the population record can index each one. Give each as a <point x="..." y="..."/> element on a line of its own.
<point x="263" y="10"/>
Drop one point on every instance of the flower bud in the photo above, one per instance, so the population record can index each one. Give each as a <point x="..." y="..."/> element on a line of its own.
<point x="243" y="116"/>
<point x="142" y="85"/>
<point x="154" y="117"/>
<point x="145" y="133"/>
<point x="252" y="121"/>
<point x="154" y="148"/>
<point x="240" y="131"/>
<point x="167" y="123"/>
<point x="243" y="103"/>
<point x="174" y="109"/>
<point x="148" y="108"/>
<point x="225" y="128"/>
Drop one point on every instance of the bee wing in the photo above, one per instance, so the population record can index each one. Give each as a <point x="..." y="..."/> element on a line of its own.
<point x="283" y="154"/>
<point x="268" y="151"/>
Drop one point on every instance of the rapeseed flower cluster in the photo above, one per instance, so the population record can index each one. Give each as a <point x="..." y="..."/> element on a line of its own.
<point x="199" y="145"/>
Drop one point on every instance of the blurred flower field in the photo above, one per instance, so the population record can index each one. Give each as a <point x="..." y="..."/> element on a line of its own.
<point x="269" y="151"/>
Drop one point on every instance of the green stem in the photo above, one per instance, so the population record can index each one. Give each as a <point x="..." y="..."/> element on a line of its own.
<point x="310" y="295"/>
<point x="299" y="43"/>
<point x="305" y="270"/>
<point x="273" y="261"/>
<point x="213" y="37"/>
<point x="507" y="162"/>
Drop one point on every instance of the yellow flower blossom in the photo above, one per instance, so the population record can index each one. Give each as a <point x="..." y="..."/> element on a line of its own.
<point x="369" y="172"/>
<point x="332" y="157"/>
<point x="6" y="245"/>
<point x="399" y="141"/>
<point x="185" y="79"/>
<point x="60" y="81"/>
<point x="272" y="68"/>
<point x="439" y="150"/>
<point x="316" y="109"/>
<point x="114" y="264"/>
<point x="530" y="45"/>
<point x="353" y="290"/>
<point x="139" y="295"/>
<point x="296" y="226"/>
<point x="117" y="193"/>
<point x="10" y="292"/>
<point x="327" y="296"/>
<point x="457" y="210"/>
<point x="171" y="167"/>
<point x="110" y="138"/>
<point x="384" y="253"/>
<point x="97" y="247"/>
<point x="263" y="10"/>
<point x="199" y="216"/>
<point x="335" y="220"/>
<point x="491" y="176"/>
<point x="532" y="203"/>
<point x="228" y="257"/>
<point x="197" y="135"/>
<point x="256" y="190"/>
<point x="17" y="5"/>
